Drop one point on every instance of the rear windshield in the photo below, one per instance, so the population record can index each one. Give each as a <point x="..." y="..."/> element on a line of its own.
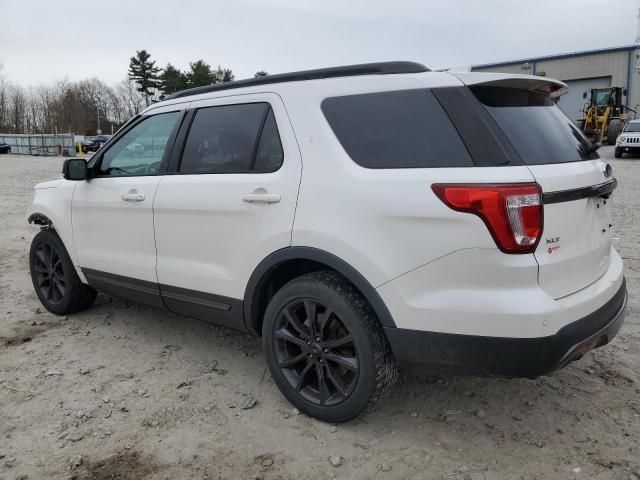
<point x="398" y="129"/>
<point x="537" y="128"/>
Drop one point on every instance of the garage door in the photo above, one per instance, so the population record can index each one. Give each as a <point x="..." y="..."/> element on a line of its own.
<point x="572" y="102"/>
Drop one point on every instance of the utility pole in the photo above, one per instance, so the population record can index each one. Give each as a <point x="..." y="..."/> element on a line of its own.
<point x="638" y="33"/>
<point x="97" y="100"/>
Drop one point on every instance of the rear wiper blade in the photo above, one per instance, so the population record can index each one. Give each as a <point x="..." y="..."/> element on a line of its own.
<point x="593" y="148"/>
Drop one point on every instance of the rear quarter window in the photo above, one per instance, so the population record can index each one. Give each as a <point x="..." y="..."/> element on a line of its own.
<point x="399" y="129"/>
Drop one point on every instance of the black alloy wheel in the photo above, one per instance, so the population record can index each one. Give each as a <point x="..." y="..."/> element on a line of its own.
<point x="54" y="276"/>
<point x="316" y="352"/>
<point x="49" y="273"/>
<point x="325" y="348"/>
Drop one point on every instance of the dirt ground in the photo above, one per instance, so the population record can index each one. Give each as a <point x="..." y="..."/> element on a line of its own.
<point x="128" y="392"/>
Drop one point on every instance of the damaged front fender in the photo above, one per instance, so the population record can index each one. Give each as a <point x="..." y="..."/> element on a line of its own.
<point x="40" y="219"/>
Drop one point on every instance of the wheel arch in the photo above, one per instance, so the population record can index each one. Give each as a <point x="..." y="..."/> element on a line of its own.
<point x="288" y="263"/>
<point x="41" y="219"/>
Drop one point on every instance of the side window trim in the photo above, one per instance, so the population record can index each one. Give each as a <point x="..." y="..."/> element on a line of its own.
<point x="180" y="142"/>
<point x="486" y="143"/>
<point x="256" y="143"/>
<point x="166" y="156"/>
<point x="183" y="134"/>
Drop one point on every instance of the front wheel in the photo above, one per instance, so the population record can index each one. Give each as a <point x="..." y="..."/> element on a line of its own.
<point x="325" y="348"/>
<point x="54" y="277"/>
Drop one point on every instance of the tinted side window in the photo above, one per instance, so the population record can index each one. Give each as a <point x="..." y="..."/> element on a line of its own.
<point x="401" y="129"/>
<point x="223" y="139"/>
<point x="140" y="150"/>
<point x="269" y="156"/>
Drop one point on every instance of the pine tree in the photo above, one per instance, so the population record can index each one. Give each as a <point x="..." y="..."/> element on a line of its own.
<point x="172" y="80"/>
<point x="224" y="75"/>
<point x="144" y="73"/>
<point x="260" y="73"/>
<point x="200" y="74"/>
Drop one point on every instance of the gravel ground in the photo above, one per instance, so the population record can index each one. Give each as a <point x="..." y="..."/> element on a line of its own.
<point x="128" y="392"/>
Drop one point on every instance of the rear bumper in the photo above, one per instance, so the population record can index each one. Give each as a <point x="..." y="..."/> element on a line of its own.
<point x="511" y="357"/>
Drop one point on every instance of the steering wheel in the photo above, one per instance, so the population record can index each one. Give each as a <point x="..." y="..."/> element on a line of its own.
<point x="152" y="168"/>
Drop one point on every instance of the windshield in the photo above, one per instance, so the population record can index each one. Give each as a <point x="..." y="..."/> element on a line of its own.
<point x="632" y="127"/>
<point x="603" y="98"/>
<point x="536" y="127"/>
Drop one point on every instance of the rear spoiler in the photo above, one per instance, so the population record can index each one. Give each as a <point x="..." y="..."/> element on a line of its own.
<point x="547" y="86"/>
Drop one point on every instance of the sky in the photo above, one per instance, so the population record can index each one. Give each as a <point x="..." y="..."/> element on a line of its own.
<point x="44" y="41"/>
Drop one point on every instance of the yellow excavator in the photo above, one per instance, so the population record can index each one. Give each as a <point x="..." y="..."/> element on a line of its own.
<point x="605" y="115"/>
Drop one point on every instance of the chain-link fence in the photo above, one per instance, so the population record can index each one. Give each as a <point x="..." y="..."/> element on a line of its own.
<point x="43" y="144"/>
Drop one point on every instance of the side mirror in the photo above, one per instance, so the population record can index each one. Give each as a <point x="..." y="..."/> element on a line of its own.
<point x="624" y="92"/>
<point x="584" y="94"/>
<point x="75" y="169"/>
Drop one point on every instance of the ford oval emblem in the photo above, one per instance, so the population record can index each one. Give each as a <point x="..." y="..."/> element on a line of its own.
<point x="608" y="170"/>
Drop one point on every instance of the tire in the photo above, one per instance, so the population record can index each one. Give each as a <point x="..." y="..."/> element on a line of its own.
<point x="615" y="127"/>
<point x="347" y="348"/>
<point x="617" y="153"/>
<point x="65" y="293"/>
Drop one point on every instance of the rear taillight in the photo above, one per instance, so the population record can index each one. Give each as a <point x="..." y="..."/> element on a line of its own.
<point x="511" y="211"/>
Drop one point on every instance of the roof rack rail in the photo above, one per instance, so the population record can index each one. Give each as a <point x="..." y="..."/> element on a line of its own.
<point x="380" y="68"/>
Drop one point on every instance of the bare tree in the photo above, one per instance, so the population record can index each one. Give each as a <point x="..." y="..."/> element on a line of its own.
<point x="4" y="101"/>
<point x="133" y="102"/>
<point x="18" y="109"/>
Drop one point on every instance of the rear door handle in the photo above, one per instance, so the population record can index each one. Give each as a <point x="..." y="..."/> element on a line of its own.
<point x="261" y="198"/>
<point x="133" y="196"/>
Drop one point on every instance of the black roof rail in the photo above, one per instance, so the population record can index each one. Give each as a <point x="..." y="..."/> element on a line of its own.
<point x="380" y="68"/>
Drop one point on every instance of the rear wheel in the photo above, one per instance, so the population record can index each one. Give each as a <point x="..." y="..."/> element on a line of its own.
<point x="615" y="127"/>
<point x="54" y="277"/>
<point x="325" y="348"/>
<point x="617" y="153"/>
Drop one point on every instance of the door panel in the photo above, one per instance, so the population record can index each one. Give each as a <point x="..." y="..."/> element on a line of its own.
<point x="112" y="213"/>
<point x="212" y="229"/>
<point x="115" y="235"/>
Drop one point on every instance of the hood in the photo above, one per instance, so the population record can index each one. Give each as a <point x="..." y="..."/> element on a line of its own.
<point x="49" y="184"/>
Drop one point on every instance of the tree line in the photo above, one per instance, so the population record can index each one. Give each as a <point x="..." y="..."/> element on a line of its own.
<point x="86" y="106"/>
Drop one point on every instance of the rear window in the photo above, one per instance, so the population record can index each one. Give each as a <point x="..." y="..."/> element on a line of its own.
<point x="400" y="129"/>
<point x="536" y="127"/>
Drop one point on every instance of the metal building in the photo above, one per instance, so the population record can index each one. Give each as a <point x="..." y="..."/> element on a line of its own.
<point x="581" y="71"/>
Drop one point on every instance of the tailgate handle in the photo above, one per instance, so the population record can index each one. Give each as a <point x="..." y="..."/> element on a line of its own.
<point x="603" y="190"/>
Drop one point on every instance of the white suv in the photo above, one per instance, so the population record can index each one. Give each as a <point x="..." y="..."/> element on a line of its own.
<point x="629" y="139"/>
<point x="354" y="217"/>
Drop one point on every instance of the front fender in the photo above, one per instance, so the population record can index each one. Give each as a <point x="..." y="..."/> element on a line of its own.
<point x="51" y="207"/>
